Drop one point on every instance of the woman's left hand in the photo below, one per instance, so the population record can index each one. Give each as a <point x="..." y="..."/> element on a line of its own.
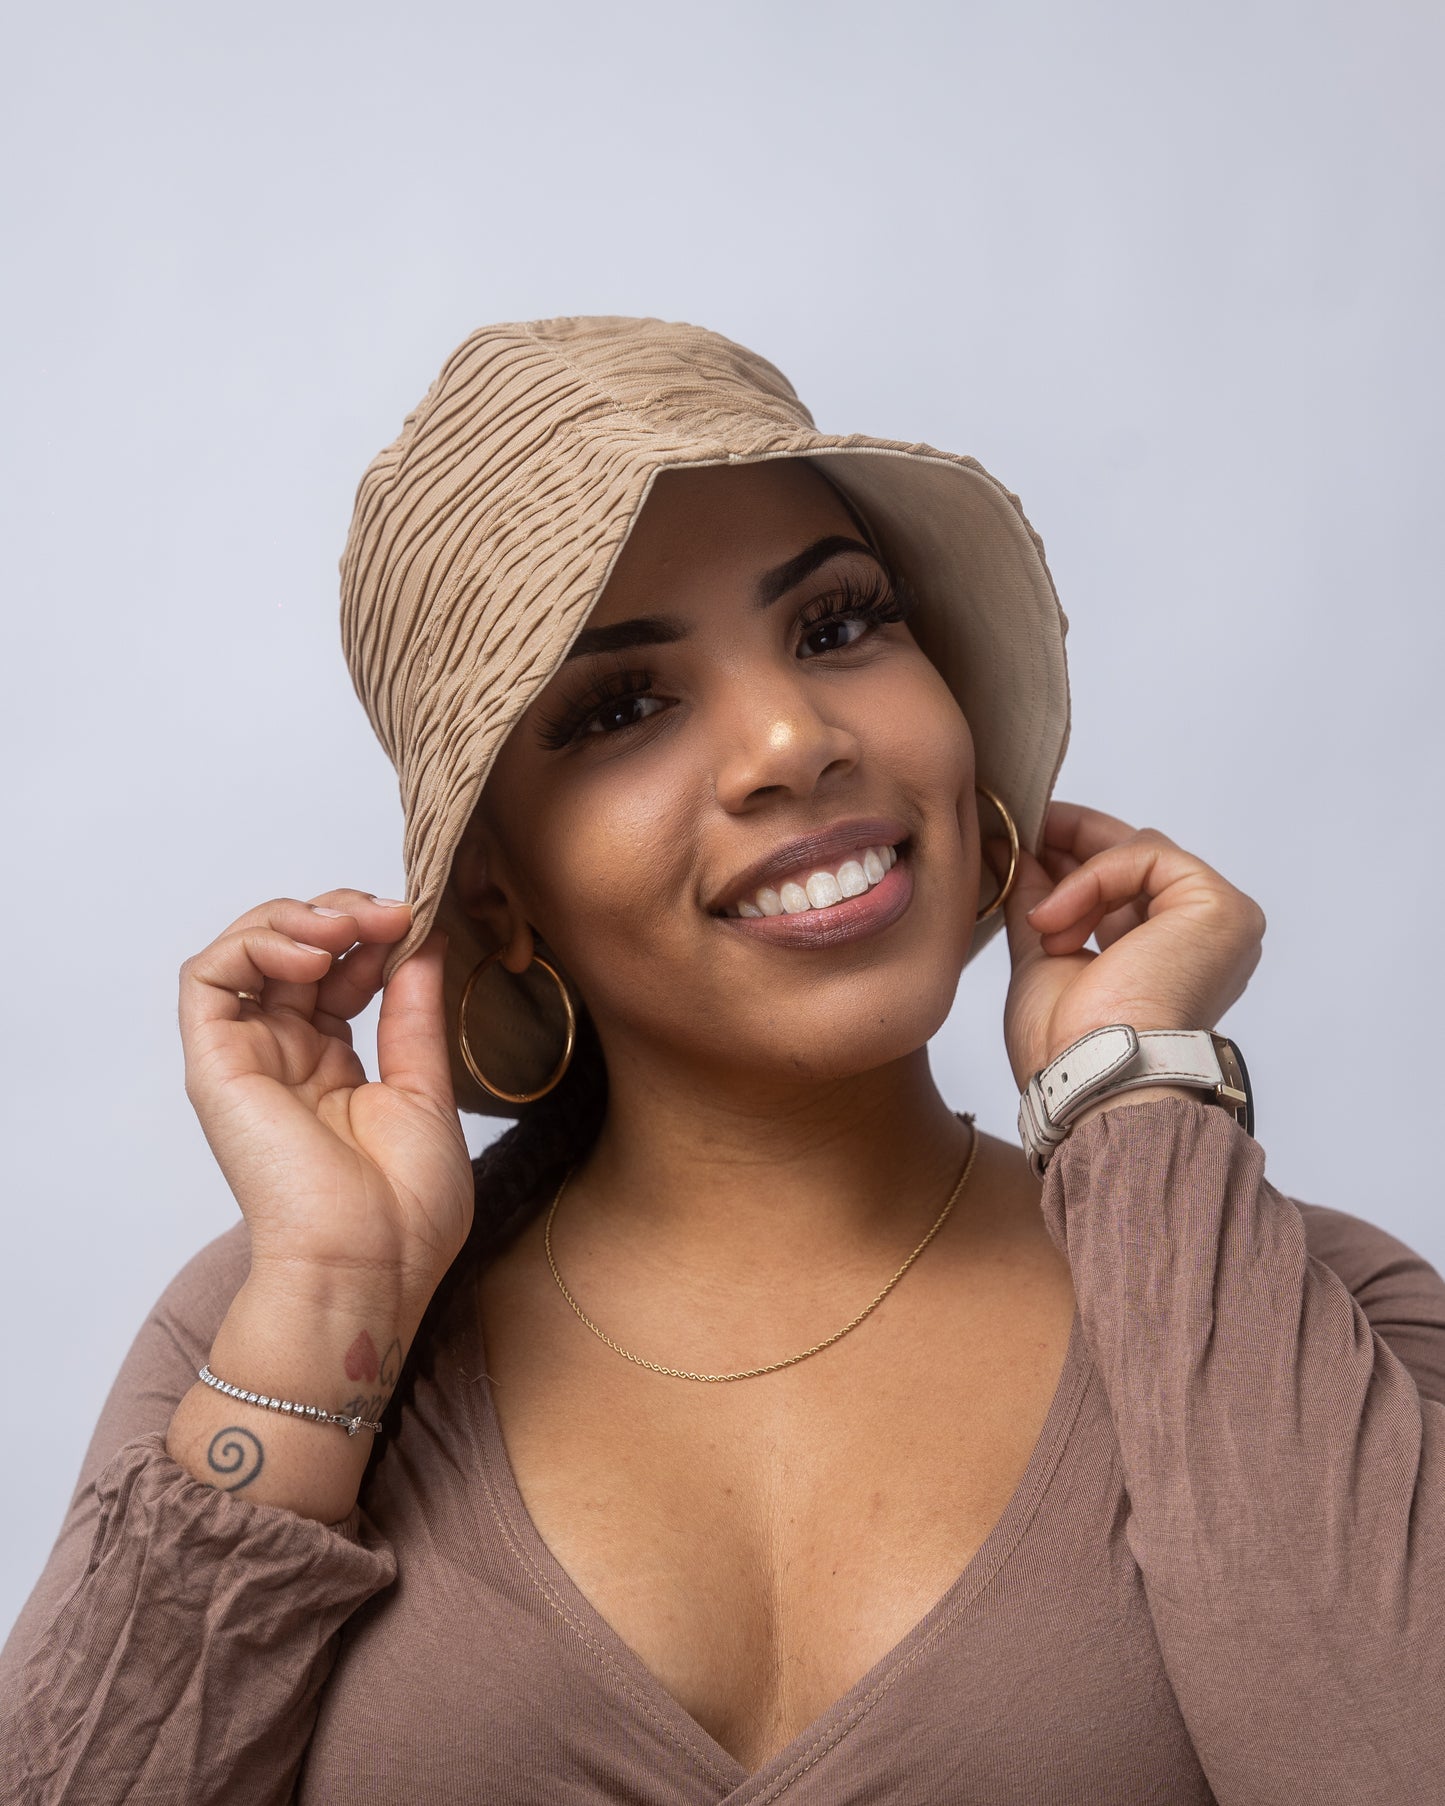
<point x="1177" y="942"/>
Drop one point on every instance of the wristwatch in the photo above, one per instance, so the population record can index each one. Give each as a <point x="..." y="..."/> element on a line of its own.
<point x="1120" y="1058"/>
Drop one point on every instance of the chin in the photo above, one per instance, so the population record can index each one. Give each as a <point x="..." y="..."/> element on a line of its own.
<point x="863" y="1022"/>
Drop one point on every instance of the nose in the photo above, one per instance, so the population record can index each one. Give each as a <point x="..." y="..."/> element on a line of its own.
<point x="776" y="738"/>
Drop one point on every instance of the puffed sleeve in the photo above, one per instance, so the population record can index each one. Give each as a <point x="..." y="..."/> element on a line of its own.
<point x="1282" y="1438"/>
<point x="179" y="1637"/>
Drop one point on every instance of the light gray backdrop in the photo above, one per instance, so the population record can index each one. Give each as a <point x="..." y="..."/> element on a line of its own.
<point x="1172" y="272"/>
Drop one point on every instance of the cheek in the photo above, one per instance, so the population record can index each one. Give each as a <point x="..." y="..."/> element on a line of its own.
<point x="606" y="864"/>
<point x="917" y="734"/>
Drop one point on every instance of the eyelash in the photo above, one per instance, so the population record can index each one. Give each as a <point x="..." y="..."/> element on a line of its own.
<point x="874" y="600"/>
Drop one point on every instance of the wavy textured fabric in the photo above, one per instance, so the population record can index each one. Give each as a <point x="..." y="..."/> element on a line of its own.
<point x="483" y="535"/>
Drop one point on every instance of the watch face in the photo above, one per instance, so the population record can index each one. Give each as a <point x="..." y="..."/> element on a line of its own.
<point x="1236" y="1076"/>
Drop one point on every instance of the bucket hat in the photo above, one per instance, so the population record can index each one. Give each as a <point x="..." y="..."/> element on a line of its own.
<point x="484" y="533"/>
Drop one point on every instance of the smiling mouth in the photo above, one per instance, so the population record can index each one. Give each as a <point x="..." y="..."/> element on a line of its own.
<point x="815" y="890"/>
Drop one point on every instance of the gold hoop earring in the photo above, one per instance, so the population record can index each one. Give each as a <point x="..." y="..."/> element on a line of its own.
<point x="516" y="1097"/>
<point x="1013" y="854"/>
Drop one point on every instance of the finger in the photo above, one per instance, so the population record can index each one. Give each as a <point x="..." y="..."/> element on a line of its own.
<point x="1120" y="922"/>
<point x="246" y="960"/>
<point x="1071" y="938"/>
<point x="411" y="1031"/>
<point x="333" y="928"/>
<point x="337" y="920"/>
<point x="362" y="904"/>
<point x="379" y="919"/>
<point x="1058" y="864"/>
<point x="353" y="981"/>
<point x="1103" y="925"/>
<point x="332" y="921"/>
<point x="1031" y="886"/>
<point x="1076" y="829"/>
<point x="1145" y="866"/>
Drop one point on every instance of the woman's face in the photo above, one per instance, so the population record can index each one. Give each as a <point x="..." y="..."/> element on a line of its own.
<point x="744" y="711"/>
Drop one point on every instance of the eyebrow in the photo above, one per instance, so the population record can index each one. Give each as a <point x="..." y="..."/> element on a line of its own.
<point x="771" y="587"/>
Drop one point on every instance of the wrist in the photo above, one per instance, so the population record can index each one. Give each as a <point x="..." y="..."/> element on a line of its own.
<point x="1118" y="1064"/>
<point x="336" y="1347"/>
<point x="331" y="1294"/>
<point x="1141" y="1094"/>
<point x="310" y="1342"/>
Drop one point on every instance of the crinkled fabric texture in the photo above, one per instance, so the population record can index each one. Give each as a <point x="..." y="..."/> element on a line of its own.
<point x="1221" y="1577"/>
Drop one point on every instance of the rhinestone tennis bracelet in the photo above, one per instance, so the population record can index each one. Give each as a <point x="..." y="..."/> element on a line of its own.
<point x="350" y="1424"/>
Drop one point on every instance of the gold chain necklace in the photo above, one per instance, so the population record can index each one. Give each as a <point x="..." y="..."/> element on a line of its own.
<point x="751" y="1373"/>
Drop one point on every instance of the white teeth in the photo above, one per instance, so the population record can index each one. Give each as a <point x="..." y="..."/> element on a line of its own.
<point x="822" y="890"/>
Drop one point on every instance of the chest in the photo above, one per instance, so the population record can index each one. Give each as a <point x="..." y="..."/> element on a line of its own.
<point x="761" y="1545"/>
<point x="485" y="1673"/>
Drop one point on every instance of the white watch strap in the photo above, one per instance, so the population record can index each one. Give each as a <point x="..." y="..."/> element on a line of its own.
<point x="1110" y="1060"/>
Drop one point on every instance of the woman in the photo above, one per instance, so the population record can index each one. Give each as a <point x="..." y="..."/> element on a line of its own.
<point x="754" y="1425"/>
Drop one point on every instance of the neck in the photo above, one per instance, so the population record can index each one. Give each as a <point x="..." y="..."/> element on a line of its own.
<point x="750" y="1175"/>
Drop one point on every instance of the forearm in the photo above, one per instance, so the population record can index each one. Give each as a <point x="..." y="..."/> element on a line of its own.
<point x="186" y="1629"/>
<point x="308" y="1339"/>
<point x="1142" y="1095"/>
<point x="187" y="1661"/>
<point x="1283" y="1471"/>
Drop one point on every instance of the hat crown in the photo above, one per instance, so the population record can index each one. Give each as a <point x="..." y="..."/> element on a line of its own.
<point x="673" y="373"/>
<point x="485" y="470"/>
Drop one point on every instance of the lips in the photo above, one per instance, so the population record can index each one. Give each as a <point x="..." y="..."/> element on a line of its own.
<point x="822" y="889"/>
<point x="798" y="859"/>
<point x="835" y="925"/>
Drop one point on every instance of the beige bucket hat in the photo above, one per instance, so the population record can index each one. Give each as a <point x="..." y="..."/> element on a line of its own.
<point x="484" y="533"/>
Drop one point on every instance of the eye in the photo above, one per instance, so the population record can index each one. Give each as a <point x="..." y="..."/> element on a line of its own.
<point x="839" y="631"/>
<point x="851" y="612"/>
<point x="614" y="702"/>
<point x="622" y="711"/>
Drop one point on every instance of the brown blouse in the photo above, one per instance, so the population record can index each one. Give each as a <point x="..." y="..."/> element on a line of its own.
<point x="1221" y="1577"/>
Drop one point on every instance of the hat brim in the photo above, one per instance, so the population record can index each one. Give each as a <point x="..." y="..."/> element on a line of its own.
<point x="988" y="618"/>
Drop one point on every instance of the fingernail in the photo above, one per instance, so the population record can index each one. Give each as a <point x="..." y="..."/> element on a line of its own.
<point x="317" y="910"/>
<point x="390" y="902"/>
<point x="306" y="947"/>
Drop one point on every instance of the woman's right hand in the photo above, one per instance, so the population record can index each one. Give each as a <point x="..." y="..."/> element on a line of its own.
<point x="364" y="1183"/>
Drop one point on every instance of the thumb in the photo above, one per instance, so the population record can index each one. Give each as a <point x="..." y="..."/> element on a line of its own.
<point x="411" y="1039"/>
<point x="1032" y="885"/>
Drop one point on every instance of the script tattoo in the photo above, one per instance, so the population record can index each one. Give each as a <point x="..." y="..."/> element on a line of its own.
<point x="367" y="1405"/>
<point x="237" y="1454"/>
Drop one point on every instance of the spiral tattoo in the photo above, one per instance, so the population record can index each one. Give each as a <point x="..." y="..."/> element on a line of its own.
<point x="237" y="1452"/>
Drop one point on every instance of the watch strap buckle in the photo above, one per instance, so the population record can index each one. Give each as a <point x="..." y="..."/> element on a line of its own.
<point x="1118" y="1058"/>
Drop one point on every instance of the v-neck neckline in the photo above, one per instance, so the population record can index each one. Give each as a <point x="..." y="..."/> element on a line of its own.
<point x="741" y="1786"/>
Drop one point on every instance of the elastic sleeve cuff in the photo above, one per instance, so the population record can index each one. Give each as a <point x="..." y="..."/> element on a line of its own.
<point x="186" y="1661"/>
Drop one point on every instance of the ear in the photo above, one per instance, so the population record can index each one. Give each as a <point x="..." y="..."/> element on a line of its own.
<point x="478" y="878"/>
